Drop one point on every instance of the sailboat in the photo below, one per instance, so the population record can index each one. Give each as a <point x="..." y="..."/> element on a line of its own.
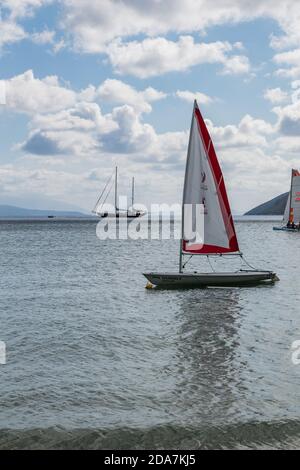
<point x="99" y="208"/>
<point x="291" y="218"/>
<point x="204" y="185"/>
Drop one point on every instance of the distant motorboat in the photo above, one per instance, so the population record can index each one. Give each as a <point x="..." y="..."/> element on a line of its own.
<point x="130" y="213"/>
<point x="291" y="218"/>
<point x="204" y="186"/>
<point x="286" y="229"/>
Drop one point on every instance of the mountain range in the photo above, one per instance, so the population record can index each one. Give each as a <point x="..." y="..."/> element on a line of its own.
<point x="275" y="206"/>
<point x="7" y="211"/>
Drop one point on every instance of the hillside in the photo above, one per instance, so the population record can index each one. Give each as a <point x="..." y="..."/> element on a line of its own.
<point x="19" y="212"/>
<point x="275" y="206"/>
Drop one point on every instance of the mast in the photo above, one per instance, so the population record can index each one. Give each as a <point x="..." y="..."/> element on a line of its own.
<point x="182" y="209"/>
<point x="132" y="195"/>
<point x="291" y="194"/>
<point x="116" y="189"/>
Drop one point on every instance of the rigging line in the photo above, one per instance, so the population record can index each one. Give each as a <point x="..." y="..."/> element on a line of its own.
<point x="107" y="195"/>
<point x="184" y="265"/>
<point x="99" y="199"/>
<point x="210" y="264"/>
<point x="248" y="264"/>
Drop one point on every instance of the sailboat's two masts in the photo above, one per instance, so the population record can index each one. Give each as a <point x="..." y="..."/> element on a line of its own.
<point x="117" y="212"/>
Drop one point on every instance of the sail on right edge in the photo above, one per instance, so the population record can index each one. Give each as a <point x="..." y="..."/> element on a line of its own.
<point x="204" y="184"/>
<point x="292" y="210"/>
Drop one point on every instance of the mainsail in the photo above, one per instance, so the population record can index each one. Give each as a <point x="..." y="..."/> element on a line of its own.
<point x="292" y="210"/>
<point x="204" y="185"/>
<point x="286" y="216"/>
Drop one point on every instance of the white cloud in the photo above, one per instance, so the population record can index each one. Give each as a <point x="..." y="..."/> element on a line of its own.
<point x="249" y="125"/>
<point x="295" y="84"/>
<point x="118" y="92"/>
<point x="44" y="187"/>
<point x="254" y="166"/>
<point x="43" y="37"/>
<point x="236" y="65"/>
<point x="22" y="8"/>
<point x="292" y="73"/>
<point x="289" y="144"/>
<point x="290" y="59"/>
<point x="70" y="127"/>
<point x="74" y="131"/>
<point x="190" y="96"/>
<point x="83" y="117"/>
<point x="58" y="46"/>
<point x="287" y="14"/>
<point x="25" y="93"/>
<point x="10" y="33"/>
<point x="289" y="119"/>
<point x="288" y="124"/>
<point x="95" y="24"/>
<point x="109" y="27"/>
<point x="281" y="42"/>
<point x="131" y="135"/>
<point x="65" y="122"/>
<point x="83" y="133"/>
<point x="156" y="56"/>
<point x="275" y="95"/>
<point x="11" y="12"/>
<point x="249" y="132"/>
<point x="43" y="143"/>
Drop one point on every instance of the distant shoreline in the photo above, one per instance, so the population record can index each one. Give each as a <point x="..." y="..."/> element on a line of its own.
<point x="237" y="219"/>
<point x="50" y="220"/>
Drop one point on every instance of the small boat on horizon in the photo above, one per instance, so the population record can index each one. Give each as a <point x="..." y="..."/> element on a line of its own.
<point x="204" y="187"/>
<point x="129" y="213"/>
<point x="291" y="218"/>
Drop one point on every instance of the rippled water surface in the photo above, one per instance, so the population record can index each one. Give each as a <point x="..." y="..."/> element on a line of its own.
<point x="94" y="360"/>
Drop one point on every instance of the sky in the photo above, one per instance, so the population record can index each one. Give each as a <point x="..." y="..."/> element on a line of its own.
<point x="85" y="86"/>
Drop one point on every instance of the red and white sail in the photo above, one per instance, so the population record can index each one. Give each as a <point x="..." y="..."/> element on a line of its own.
<point x="292" y="210"/>
<point x="204" y="185"/>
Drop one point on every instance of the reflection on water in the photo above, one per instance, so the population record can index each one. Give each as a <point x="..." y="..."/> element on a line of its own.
<point x="207" y="345"/>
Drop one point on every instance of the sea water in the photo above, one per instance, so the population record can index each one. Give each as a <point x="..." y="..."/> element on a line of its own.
<point x="94" y="360"/>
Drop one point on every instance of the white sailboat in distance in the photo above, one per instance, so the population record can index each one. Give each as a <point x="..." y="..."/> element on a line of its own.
<point x="100" y="209"/>
<point x="291" y="218"/>
<point x="204" y="185"/>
